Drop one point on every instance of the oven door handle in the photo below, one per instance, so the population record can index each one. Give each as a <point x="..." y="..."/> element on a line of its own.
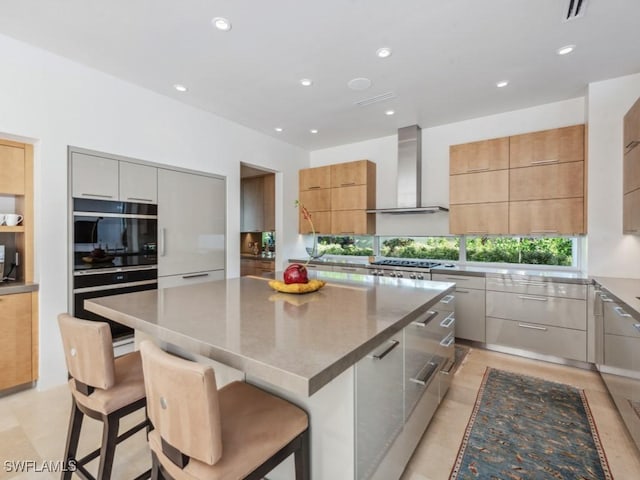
<point x="115" y="286"/>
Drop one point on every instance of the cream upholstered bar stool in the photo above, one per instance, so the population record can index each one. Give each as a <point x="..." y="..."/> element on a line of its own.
<point x="202" y="433"/>
<point x="103" y="388"/>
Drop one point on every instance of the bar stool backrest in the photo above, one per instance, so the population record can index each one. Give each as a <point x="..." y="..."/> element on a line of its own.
<point x="88" y="351"/>
<point x="182" y="403"/>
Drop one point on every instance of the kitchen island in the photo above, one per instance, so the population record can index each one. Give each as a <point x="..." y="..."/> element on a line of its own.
<point x="303" y="347"/>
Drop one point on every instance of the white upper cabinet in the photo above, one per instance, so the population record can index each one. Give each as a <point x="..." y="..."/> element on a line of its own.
<point x="94" y="177"/>
<point x="138" y="183"/>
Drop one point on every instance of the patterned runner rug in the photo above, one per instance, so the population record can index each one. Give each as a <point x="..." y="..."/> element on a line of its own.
<point x="527" y="428"/>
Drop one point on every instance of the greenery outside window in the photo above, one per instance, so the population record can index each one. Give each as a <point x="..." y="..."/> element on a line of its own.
<point x="557" y="251"/>
<point x="354" y="245"/>
<point x="432" y="248"/>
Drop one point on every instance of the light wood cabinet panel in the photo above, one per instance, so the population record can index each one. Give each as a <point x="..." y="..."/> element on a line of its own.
<point x="12" y="168"/>
<point x="138" y="183"/>
<point x="632" y="127"/>
<point x="94" y="177"/>
<point x="349" y="198"/>
<point x="252" y="196"/>
<point x="484" y="187"/>
<point x="479" y="218"/>
<point x="631" y="212"/>
<point x="257" y="267"/>
<point x="15" y="340"/>
<point x="313" y="178"/>
<point x="548" y="146"/>
<point x="321" y="222"/>
<point x="562" y="180"/>
<point x="352" y="173"/>
<point x="269" y="202"/>
<point x="316" y="200"/>
<point x="352" y="222"/>
<point x="631" y="173"/>
<point x="553" y="217"/>
<point x="479" y="156"/>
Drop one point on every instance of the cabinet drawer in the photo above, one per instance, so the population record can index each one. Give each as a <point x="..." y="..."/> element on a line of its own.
<point x="622" y="352"/>
<point x="461" y="281"/>
<point x="560" y="342"/>
<point x="562" y="180"/>
<point x="316" y="200"/>
<point x="190" y="278"/>
<point x="349" y="198"/>
<point x="470" y="314"/>
<point x="484" y="187"/>
<point x="532" y="286"/>
<point x="556" y="311"/>
<point x="619" y="322"/>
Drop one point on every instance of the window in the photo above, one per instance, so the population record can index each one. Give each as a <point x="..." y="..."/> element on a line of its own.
<point x="432" y="248"/>
<point x="346" y="245"/>
<point x="558" y="251"/>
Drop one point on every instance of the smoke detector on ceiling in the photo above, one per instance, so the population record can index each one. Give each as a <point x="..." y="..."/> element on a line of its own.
<point x="575" y="9"/>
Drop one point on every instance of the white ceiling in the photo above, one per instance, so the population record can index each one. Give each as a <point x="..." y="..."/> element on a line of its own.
<point x="447" y="56"/>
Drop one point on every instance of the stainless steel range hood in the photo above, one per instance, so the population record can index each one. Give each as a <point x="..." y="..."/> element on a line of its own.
<point x="409" y="180"/>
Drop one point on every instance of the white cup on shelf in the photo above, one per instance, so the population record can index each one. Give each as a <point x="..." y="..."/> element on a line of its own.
<point x="12" y="219"/>
<point x="2" y="215"/>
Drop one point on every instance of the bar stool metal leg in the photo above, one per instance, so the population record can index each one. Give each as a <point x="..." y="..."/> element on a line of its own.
<point x="73" y="435"/>
<point x="110" y="427"/>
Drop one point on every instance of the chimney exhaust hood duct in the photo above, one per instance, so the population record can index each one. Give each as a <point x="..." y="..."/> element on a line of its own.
<point x="409" y="180"/>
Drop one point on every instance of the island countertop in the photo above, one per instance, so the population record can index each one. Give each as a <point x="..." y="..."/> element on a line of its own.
<point x="296" y="342"/>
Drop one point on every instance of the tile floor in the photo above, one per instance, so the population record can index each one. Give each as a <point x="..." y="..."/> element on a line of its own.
<point x="33" y="424"/>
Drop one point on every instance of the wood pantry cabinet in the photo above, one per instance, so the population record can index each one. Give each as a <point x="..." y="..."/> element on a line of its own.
<point x="337" y="197"/>
<point x="18" y="311"/>
<point x="542" y="185"/>
<point x="258" y="204"/>
<point x="631" y="171"/>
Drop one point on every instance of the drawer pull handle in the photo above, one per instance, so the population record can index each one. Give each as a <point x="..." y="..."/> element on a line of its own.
<point x="97" y="195"/>
<point x="621" y="312"/>
<point x="448" y="299"/>
<point x="347" y="184"/>
<point x="447" y="322"/>
<point x="604" y="298"/>
<point x="637" y="326"/>
<point x="428" y="370"/>
<point x="448" y="368"/>
<point x="462" y="291"/>
<point x="631" y="144"/>
<point x="196" y="275"/>
<point x="448" y="340"/>
<point x="314" y="187"/>
<point x="474" y="170"/>
<point x="477" y="232"/>
<point x="140" y="199"/>
<point x="385" y="352"/>
<point x="423" y="323"/>
<point x="543" y="231"/>
<point x="532" y="327"/>
<point x="530" y="283"/>
<point x="537" y="299"/>
<point x="544" y="162"/>
<point x="458" y="279"/>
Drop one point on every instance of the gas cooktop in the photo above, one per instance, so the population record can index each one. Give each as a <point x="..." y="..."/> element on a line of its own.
<point x="406" y="263"/>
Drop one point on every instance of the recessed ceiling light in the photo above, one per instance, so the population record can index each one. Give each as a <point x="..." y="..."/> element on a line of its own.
<point x="179" y="87"/>
<point x="360" y="83"/>
<point x="502" y="84"/>
<point x="566" y="49"/>
<point x="221" y="24"/>
<point x="306" y="82"/>
<point x="383" y="52"/>
<point x="390" y="112"/>
<point x="313" y="130"/>
<point x="278" y="129"/>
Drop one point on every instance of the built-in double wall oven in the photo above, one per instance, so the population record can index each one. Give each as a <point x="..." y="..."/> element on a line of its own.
<point x="114" y="252"/>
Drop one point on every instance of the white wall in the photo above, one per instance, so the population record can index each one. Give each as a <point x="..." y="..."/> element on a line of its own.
<point x="53" y="103"/>
<point x="435" y="159"/>
<point x="610" y="253"/>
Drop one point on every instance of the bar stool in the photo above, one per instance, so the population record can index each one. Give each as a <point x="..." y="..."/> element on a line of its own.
<point x="103" y="388"/>
<point x="200" y="432"/>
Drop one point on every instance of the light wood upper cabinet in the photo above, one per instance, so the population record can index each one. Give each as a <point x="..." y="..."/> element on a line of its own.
<point x="632" y="127"/>
<point x="269" y="202"/>
<point x="314" y="178"/>
<point x="138" y="183"/>
<point x="15" y="340"/>
<point x="482" y="187"/>
<point x="351" y="222"/>
<point x="631" y="212"/>
<point x="479" y="156"/>
<point x="316" y="200"/>
<point x="562" y="180"/>
<point x="348" y="174"/>
<point x="547" y="217"/>
<point x="479" y="219"/>
<point x="349" y="198"/>
<point x="321" y="222"/>
<point x="631" y="172"/>
<point x="251" y="204"/>
<point x="12" y="168"/>
<point x="548" y="146"/>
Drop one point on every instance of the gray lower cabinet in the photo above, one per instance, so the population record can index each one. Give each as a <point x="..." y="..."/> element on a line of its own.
<point x="544" y="317"/>
<point x="379" y="404"/>
<point x="470" y="305"/>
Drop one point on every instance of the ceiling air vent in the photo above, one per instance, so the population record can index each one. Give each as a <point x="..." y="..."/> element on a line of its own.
<point x="378" y="98"/>
<point x="575" y="10"/>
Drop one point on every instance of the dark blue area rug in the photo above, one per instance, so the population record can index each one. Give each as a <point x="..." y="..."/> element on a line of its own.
<point x="527" y="428"/>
